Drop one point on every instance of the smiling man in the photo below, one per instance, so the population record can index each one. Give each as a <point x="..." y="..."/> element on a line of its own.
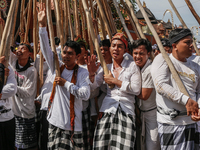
<point x="147" y="103"/>
<point x="68" y="92"/>
<point x="116" y="125"/>
<point x="177" y="112"/>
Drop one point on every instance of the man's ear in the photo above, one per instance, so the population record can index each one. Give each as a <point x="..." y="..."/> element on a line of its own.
<point x="174" y="46"/>
<point x="149" y="54"/>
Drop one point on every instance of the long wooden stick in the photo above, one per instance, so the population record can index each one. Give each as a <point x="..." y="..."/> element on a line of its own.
<point x="70" y="20"/>
<point x="82" y="20"/>
<point x="193" y="11"/>
<point x="22" y="20"/>
<point x="61" y="16"/>
<point x="35" y="42"/>
<point x="102" y="27"/>
<point x="1" y="28"/>
<point x="165" y="56"/>
<point x="51" y="33"/>
<point x="89" y="21"/>
<point x="58" y="20"/>
<point x="15" y="19"/>
<point x="28" y="21"/>
<point x="123" y="22"/>
<point x="66" y="23"/>
<point x="104" y="19"/>
<point x="184" y="25"/>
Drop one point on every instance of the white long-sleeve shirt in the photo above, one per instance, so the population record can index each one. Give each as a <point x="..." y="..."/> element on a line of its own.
<point x="23" y="100"/>
<point x="124" y="96"/>
<point x="168" y="95"/>
<point x="8" y="91"/>
<point x="59" y="114"/>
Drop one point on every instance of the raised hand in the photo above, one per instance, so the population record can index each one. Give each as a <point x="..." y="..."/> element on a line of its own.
<point x="42" y="17"/>
<point x="91" y="64"/>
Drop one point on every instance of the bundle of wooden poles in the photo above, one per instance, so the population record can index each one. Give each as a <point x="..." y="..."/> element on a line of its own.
<point x="73" y="18"/>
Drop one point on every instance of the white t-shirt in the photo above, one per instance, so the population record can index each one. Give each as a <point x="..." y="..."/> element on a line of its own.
<point x="147" y="82"/>
<point x="168" y="95"/>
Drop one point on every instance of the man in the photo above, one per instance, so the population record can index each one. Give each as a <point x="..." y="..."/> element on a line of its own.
<point x="23" y="102"/>
<point x="177" y="112"/>
<point x="147" y="103"/>
<point x="68" y="93"/>
<point x="7" y="120"/>
<point x="116" y="125"/>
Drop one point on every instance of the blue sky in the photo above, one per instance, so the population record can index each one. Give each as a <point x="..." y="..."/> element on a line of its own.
<point x="158" y="8"/>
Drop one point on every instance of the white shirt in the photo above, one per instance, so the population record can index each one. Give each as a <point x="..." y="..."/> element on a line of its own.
<point x="168" y="95"/>
<point x="8" y="91"/>
<point x="23" y="100"/>
<point x="124" y="96"/>
<point x="147" y="82"/>
<point x="59" y="114"/>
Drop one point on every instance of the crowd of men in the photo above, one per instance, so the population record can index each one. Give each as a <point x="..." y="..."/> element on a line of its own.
<point x="137" y="105"/>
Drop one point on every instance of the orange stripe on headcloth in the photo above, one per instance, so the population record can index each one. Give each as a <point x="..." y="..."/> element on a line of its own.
<point x="121" y="37"/>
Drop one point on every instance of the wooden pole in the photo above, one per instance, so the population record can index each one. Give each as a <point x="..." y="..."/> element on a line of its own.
<point x="193" y="11"/>
<point x="22" y="20"/>
<point x="61" y="17"/>
<point x="135" y="19"/>
<point x="66" y="23"/>
<point x="165" y="56"/>
<point x="51" y="33"/>
<point x="82" y="20"/>
<point x="58" y="20"/>
<point x="89" y="22"/>
<point x="41" y="69"/>
<point x="184" y="25"/>
<point x="104" y="19"/>
<point x="35" y="41"/>
<point x="15" y="19"/>
<point x="28" y="21"/>
<point x="102" y="27"/>
<point x="123" y="22"/>
<point x="1" y="28"/>
<point x="70" y="20"/>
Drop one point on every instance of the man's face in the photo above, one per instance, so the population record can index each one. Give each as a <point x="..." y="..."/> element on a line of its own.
<point x="69" y="56"/>
<point x="105" y="52"/>
<point x="23" y="52"/>
<point x="83" y="52"/>
<point x="185" y="47"/>
<point x="117" y="49"/>
<point x="140" y="56"/>
<point x="168" y="49"/>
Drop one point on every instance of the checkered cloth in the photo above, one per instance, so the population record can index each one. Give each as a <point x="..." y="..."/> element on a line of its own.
<point x="86" y="128"/>
<point x="178" y="137"/>
<point x="25" y="133"/>
<point x="115" y="131"/>
<point x="60" y="139"/>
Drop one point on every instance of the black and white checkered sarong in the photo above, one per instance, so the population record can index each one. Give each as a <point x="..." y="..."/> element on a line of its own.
<point x="60" y="139"/>
<point x="115" y="131"/>
<point x="178" y="137"/>
<point x="86" y="128"/>
<point x="25" y="133"/>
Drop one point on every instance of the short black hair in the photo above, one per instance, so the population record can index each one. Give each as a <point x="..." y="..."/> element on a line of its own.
<point x="57" y="41"/>
<point x="140" y="42"/>
<point x="105" y="42"/>
<point x="166" y="42"/>
<point x="74" y="45"/>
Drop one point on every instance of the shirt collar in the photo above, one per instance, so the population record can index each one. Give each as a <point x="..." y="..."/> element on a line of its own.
<point x="146" y="65"/>
<point x="123" y="64"/>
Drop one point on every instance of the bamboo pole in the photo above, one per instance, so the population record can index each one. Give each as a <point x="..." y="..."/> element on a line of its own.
<point x="102" y="27"/>
<point x="15" y="19"/>
<point x="70" y="20"/>
<point x="28" y="21"/>
<point x="123" y="22"/>
<point x="22" y="20"/>
<point x="66" y="23"/>
<point x="61" y="16"/>
<point x="193" y="11"/>
<point x="51" y="33"/>
<point x="41" y="69"/>
<point x="35" y="41"/>
<point x="184" y="25"/>
<point x="89" y="22"/>
<point x="104" y="19"/>
<point x="82" y="20"/>
<point x="76" y="18"/>
<point x="135" y="19"/>
<point x="131" y="19"/>
<point x="1" y="28"/>
<point x="165" y="56"/>
<point x="56" y="4"/>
